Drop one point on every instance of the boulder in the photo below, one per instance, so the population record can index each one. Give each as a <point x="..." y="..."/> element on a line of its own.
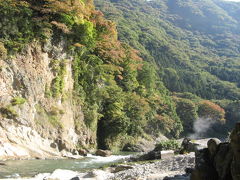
<point x="235" y="141"/>
<point x="212" y="145"/>
<point x="222" y="161"/>
<point x="235" y="145"/>
<point x="61" y="174"/>
<point x="189" y="145"/>
<point x="152" y="155"/>
<point x="103" y="153"/>
<point x="167" y="154"/>
<point x="82" y="152"/>
<point x="235" y="169"/>
<point x="53" y="145"/>
<point x="204" y="169"/>
<point x="122" y="167"/>
<point x="219" y="161"/>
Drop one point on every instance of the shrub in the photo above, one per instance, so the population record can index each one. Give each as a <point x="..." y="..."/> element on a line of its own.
<point x="18" y="100"/>
<point x="8" y="112"/>
<point x="54" y="121"/>
<point x="57" y="85"/>
<point x="3" y="51"/>
<point x="167" y="145"/>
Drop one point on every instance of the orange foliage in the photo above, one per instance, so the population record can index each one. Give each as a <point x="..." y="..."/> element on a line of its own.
<point x="212" y="110"/>
<point x="61" y="26"/>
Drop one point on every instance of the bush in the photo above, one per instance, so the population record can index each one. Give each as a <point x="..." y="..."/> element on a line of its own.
<point x="167" y="145"/>
<point x="8" y="112"/>
<point x="3" y="51"/>
<point x="18" y="101"/>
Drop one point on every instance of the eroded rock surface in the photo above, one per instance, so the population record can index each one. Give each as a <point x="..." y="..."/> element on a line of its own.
<point x="33" y="123"/>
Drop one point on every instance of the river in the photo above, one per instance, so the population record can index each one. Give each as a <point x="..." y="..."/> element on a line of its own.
<point x="29" y="168"/>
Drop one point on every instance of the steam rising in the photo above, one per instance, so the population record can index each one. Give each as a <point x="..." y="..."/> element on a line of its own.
<point x="201" y="126"/>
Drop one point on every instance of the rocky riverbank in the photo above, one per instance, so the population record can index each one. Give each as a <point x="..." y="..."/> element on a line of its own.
<point x="171" y="168"/>
<point x="211" y="158"/>
<point x="160" y="170"/>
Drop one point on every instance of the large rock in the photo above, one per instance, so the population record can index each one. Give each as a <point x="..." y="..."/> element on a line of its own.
<point x="204" y="168"/>
<point x="235" y="145"/>
<point x="60" y="174"/>
<point x="219" y="161"/>
<point x="212" y="145"/>
<point x="189" y="145"/>
<point x="223" y="160"/>
<point x="103" y="153"/>
<point x="82" y="152"/>
<point x="153" y="155"/>
<point x="167" y="154"/>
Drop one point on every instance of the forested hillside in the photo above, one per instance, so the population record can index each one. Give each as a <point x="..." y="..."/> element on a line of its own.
<point x="196" y="39"/>
<point x="65" y="75"/>
<point x="67" y="80"/>
<point x="194" y="44"/>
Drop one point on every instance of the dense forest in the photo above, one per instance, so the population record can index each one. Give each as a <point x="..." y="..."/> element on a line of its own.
<point x="194" y="45"/>
<point x="169" y="64"/>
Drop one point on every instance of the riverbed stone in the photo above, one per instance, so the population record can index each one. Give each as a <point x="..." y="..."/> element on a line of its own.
<point x="82" y="152"/>
<point x="122" y="167"/>
<point x="98" y="175"/>
<point x="61" y="174"/>
<point x="103" y="153"/>
<point x="167" y="154"/>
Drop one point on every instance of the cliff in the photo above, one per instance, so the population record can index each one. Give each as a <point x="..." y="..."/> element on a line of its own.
<point x="68" y="84"/>
<point x="39" y="115"/>
<point x="31" y="122"/>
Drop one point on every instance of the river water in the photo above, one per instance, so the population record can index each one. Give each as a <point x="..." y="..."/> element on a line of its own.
<point x="29" y="168"/>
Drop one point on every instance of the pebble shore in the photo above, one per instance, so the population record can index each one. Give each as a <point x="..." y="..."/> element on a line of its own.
<point x="168" y="169"/>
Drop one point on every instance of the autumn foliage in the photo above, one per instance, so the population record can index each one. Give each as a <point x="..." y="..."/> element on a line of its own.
<point x="208" y="109"/>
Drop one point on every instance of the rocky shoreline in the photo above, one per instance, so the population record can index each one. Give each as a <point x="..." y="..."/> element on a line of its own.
<point x="161" y="169"/>
<point x="171" y="168"/>
<point x="201" y="160"/>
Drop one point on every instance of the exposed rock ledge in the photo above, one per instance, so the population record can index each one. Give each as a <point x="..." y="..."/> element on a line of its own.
<point x="22" y="142"/>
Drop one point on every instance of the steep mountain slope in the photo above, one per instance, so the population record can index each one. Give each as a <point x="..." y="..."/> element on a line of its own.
<point x="194" y="43"/>
<point x="67" y="83"/>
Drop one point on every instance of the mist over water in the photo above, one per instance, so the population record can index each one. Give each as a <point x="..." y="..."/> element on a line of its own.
<point x="201" y="126"/>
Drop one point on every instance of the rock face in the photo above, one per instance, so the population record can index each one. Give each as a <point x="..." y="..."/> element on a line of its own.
<point x="235" y="145"/>
<point x="142" y="145"/>
<point x="33" y="123"/>
<point x="189" y="145"/>
<point x="219" y="161"/>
